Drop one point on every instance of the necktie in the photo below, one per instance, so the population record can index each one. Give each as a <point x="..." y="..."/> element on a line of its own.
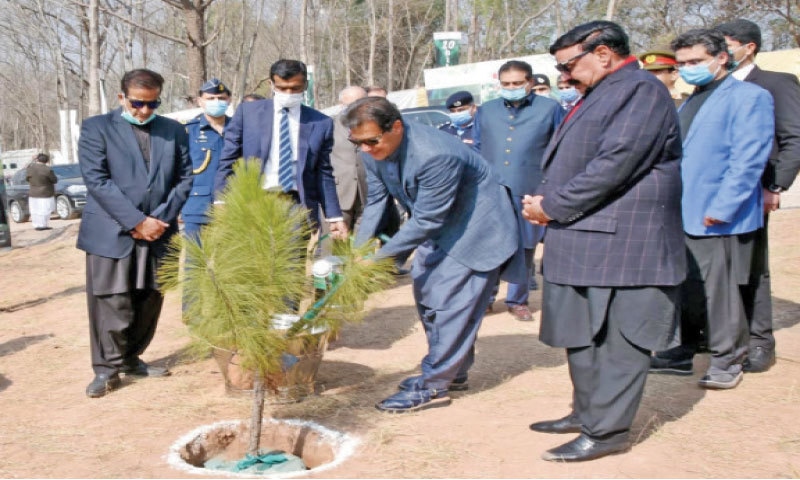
<point x="285" y="164"/>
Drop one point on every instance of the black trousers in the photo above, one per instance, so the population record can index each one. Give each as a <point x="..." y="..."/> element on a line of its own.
<point x="608" y="375"/>
<point x="757" y="294"/>
<point x="122" y="318"/>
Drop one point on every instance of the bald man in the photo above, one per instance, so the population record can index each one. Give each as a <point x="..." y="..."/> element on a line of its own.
<point x="351" y="183"/>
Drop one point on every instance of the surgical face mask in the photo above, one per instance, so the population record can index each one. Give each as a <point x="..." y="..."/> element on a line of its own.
<point x="215" y="107"/>
<point x="460" y="119"/>
<point x="287" y="100"/>
<point x="698" y="74"/>
<point x="133" y="121"/>
<point x="733" y="57"/>
<point x="514" y="94"/>
<point x="569" y="95"/>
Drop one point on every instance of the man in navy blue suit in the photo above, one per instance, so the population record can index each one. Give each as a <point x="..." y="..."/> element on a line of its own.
<point x="137" y="172"/>
<point x="614" y="255"/>
<point x="462" y="224"/>
<point x="257" y="131"/>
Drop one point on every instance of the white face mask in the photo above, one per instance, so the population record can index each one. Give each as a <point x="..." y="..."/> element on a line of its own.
<point x="287" y="100"/>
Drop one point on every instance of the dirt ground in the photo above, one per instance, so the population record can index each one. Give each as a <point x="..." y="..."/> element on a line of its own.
<point x="50" y="429"/>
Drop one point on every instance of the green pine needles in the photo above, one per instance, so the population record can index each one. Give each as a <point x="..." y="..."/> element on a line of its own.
<point x="250" y="265"/>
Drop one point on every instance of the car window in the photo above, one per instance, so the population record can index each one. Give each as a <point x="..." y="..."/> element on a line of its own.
<point x="429" y="117"/>
<point x="67" y="171"/>
<point x="19" y="178"/>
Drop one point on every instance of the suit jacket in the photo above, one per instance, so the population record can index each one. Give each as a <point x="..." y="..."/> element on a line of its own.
<point x="513" y="142"/>
<point x="249" y="135"/>
<point x="453" y="197"/>
<point x="612" y="187"/>
<point x="41" y="179"/>
<point x="784" y="160"/>
<point x="121" y="192"/>
<point x="724" y="155"/>
<point x="351" y="178"/>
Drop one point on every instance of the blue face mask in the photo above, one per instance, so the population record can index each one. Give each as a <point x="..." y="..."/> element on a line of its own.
<point x="733" y="58"/>
<point x="133" y="121"/>
<point x="697" y="74"/>
<point x="215" y="108"/>
<point x="513" y="95"/>
<point x="460" y="119"/>
<point x="569" y="95"/>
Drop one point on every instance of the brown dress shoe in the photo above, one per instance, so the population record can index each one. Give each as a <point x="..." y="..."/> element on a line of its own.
<point x="521" y="313"/>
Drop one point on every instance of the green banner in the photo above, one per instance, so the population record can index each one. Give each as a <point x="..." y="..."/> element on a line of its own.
<point x="447" y="46"/>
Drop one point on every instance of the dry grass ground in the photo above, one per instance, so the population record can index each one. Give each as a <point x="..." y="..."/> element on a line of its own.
<point x="50" y="429"/>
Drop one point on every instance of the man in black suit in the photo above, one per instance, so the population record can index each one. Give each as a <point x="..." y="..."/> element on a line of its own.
<point x="744" y="41"/>
<point x="615" y="255"/>
<point x="138" y="174"/>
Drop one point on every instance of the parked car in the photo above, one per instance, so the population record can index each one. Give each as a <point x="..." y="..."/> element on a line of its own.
<point x="70" y="193"/>
<point x="435" y="116"/>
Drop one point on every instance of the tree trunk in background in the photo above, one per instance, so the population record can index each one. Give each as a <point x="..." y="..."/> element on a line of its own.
<point x="373" y="42"/>
<point x="390" y="44"/>
<point x="194" y="17"/>
<point x="94" y="59"/>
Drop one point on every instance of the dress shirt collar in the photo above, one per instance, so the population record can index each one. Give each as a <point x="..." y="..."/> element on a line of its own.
<point x="743" y="72"/>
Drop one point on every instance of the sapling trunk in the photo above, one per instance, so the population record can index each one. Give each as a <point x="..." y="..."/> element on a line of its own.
<point x="256" y="415"/>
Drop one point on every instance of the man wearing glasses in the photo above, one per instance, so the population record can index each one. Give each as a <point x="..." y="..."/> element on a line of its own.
<point x="614" y="257"/>
<point x="462" y="224"/>
<point x="137" y="172"/>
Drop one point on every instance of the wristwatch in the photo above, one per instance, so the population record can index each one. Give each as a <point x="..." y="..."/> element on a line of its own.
<point x="775" y="188"/>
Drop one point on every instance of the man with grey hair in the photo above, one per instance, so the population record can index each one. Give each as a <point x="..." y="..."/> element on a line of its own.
<point x="462" y="224"/>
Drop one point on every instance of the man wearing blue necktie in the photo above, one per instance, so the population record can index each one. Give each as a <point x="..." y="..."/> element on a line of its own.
<point x="293" y="143"/>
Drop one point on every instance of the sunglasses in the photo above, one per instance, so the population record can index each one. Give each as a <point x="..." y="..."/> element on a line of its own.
<point x="569" y="64"/>
<point x="367" y="141"/>
<point x="141" y="103"/>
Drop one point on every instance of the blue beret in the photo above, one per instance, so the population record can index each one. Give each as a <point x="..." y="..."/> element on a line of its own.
<point x="214" y="86"/>
<point x="459" y="99"/>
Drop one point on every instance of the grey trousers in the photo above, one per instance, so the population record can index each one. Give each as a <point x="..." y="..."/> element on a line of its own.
<point x="718" y="267"/>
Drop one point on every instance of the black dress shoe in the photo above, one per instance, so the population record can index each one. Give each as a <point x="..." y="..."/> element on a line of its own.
<point x="142" y="369"/>
<point x="585" y="448"/>
<point x="102" y="384"/>
<point x="760" y="359"/>
<point x="568" y="424"/>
